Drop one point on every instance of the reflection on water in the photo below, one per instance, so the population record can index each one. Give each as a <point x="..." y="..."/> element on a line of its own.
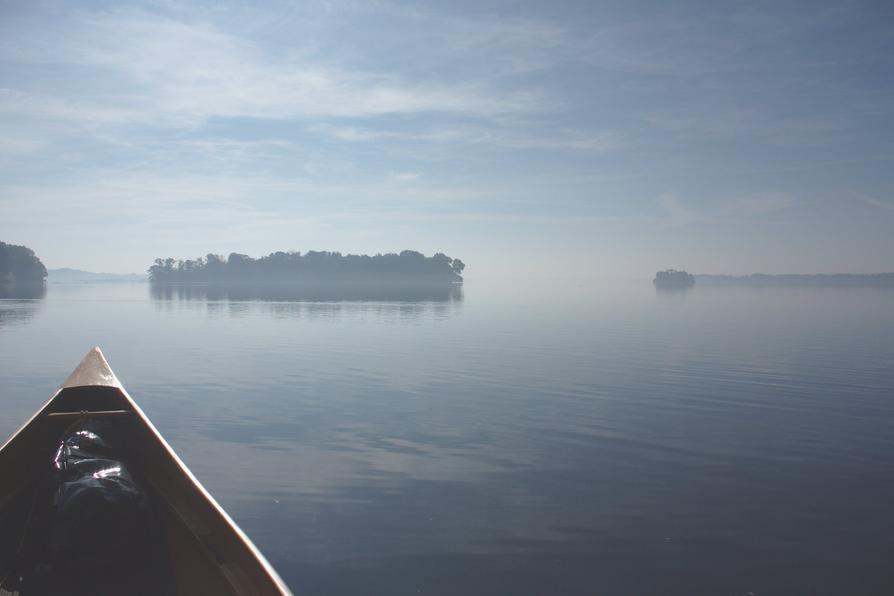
<point x="674" y="291"/>
<point x="22" y="291"/>
<point x="322" y="292"/>
<point x="19" y="302"/>
<point x="403" y="301"/>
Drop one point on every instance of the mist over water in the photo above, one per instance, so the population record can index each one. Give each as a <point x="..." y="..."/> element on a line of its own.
<point x="519" y="438"/>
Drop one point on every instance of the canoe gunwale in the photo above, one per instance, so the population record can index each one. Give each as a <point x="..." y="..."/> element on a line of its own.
<point x="94" y="377"/>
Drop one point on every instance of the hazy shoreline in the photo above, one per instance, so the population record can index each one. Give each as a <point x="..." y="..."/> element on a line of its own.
<point x="68" y="275"/>
<point x="799" y="279"/>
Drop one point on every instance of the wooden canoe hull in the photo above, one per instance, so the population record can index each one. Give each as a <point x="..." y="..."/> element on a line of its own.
<point x="209" y="553"/>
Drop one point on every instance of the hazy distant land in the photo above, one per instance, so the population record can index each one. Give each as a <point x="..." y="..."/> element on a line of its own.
<point x="67" y="275"/>
<point x="672" y="278"/>
<point x="312" y="266"/>
<point x="19" y="266"/>
<point x="799" y="279"/>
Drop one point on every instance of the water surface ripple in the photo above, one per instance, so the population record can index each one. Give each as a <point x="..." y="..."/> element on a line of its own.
<point x="511" y="439"/>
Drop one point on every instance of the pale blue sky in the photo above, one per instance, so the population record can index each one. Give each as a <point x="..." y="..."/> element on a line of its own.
<point x="601" y="138"/>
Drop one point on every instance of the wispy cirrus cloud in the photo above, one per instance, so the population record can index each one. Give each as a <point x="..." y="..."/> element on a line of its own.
<point x="160" y="72"/>
<point x="873" y="201"/>
<point x="494" y="135"/>
<point x="757" y="204"/>
<point x="753" y="206"/>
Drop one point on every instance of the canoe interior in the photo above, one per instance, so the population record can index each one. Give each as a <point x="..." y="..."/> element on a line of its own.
<point x="207" y="552"/>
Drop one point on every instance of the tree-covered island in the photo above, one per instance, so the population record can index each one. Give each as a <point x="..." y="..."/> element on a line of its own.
<point x="19" y="264"/>
<point x="312" y="266"/>
<point x="673" y="278"/>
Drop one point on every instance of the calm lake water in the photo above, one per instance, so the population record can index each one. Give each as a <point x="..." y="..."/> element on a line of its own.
<point x="510" y="439"/>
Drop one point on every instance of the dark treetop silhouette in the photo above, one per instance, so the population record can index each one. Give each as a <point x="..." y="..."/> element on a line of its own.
<point x="19" y="264"/>
<point x="286" y="267"/>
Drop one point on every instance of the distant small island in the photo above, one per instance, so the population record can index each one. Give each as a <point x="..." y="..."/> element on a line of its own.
<point x="799" y="279"/>
<point x="19" y="265"/>
<point x="65" y="275"/>
<point x="671" y="278"/>
<point x="312" y="266"/>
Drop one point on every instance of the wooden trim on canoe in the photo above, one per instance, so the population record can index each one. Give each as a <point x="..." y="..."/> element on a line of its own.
<point x="213" y="554"/>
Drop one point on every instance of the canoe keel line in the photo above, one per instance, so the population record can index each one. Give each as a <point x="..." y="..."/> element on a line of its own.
<point x="89" y="484"/>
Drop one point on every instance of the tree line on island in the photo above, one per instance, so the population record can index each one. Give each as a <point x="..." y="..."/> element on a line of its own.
<point x="19" y="264"/>
<point x="673" y="278"/>
<point x="281" y="267"/>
